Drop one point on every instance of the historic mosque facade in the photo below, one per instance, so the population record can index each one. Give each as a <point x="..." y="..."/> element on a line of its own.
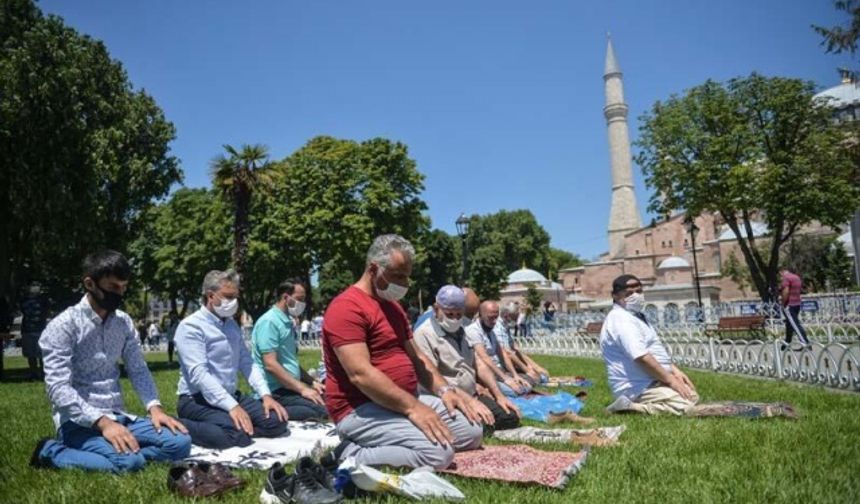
<point x="660" y="253"/>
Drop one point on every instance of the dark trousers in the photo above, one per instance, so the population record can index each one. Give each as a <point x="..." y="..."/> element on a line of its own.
<point x="792" y="325"/>
<point x="504" y="420"/>
<point x="212" y="427"/>
<point x="299" y="408"/>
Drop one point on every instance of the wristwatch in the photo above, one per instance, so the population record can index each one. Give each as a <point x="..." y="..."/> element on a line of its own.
<point x="442" y="390"/>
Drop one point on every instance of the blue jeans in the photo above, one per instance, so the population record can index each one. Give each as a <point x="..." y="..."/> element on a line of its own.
<point x="299" y="408"/>
<point x="212" y="427"/>
<point x="86" y="448"/>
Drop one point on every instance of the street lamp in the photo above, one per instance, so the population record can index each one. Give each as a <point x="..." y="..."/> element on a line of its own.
<point x="693" y="229"/>
<point x="463" y="230"/>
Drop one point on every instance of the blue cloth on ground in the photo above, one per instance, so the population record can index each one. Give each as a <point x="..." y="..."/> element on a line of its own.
<point x="538" y="408"/>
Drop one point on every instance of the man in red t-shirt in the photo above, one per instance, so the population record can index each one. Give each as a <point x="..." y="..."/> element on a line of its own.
<point x="373" y="369"/>
<point x="790" y="297"/>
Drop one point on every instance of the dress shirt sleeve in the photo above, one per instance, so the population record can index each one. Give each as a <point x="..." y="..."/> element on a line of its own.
<point x="630" y="338"/>
<point x="135" y="365"/>
<point x="252" y="373"/>
<point x="190" y="343"/>
<point x="57" y="344"/>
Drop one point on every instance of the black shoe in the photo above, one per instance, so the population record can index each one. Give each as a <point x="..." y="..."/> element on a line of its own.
<point x="312" y="484"/>
<point x="278" y="488"/>
<point x="36" y="459"/>
<point x="331" y="460"/>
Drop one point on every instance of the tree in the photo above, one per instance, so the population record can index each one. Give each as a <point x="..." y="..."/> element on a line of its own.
<point x="82" y="154"/>
<point x="502" y="242"/>
<point x="533" y="299"/>
<point x="561" y="259"/>
<point x="821" y="261"/>
<point x="842" y="38"/>
<point x="753" y="148"/>
<point x="436" y="263"/>
<point x="337" y="195"/>
<point x="238" y="175"/>
<point x="185" y="237"/>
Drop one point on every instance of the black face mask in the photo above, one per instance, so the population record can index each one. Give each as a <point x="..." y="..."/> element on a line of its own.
<point x="109" y="301"/>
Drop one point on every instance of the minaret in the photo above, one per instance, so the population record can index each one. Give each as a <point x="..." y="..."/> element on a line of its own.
<point x="624" y="214"/>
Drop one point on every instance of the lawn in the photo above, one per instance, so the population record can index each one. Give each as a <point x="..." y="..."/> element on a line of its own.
<point x="814" y="459"/>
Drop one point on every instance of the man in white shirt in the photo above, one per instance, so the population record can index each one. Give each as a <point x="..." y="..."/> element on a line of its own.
<point x="641" y="374"/>
<point x="154" y="336"/>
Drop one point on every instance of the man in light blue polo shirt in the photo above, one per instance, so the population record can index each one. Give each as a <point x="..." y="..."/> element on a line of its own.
<point x="275" y="350"/>
<point x="211" y="354"/>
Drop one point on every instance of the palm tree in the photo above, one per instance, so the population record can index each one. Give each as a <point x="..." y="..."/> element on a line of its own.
<point x="237" y="175"/>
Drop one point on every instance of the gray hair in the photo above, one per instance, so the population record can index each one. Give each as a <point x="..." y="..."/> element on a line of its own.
<point x="509" y="308"/>
<point x="382" y="247"/>
<point x="215" y="278"/>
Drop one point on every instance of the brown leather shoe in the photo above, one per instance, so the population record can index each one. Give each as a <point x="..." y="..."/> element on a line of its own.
<point x="222" y="476"/>
<point x="188" y="480"/>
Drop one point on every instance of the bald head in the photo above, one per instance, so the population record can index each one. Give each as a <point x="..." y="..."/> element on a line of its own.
<point x="489" y="312"/>
<point x="472" y="303"/>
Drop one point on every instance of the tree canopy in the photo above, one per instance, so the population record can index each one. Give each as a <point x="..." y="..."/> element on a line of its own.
<point x="82" y="153"/>
<point x="754" y="148"/>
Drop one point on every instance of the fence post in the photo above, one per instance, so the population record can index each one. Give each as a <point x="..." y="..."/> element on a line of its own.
<point x="777" y="357"/>
<point x="713" y="353"/>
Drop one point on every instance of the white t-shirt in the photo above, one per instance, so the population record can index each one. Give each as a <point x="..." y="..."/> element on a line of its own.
<point x="623" y="339"/>
<point x="306" y="326"/>
<point x="153" y="330"/>
<point x="475" y="335"/>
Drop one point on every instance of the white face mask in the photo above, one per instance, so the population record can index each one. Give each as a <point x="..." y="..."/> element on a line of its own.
<point x="450" y="325"/>
<point x="227" y="308"/>
<point x="635" y="302"/>
<point x="297" y="309"/>
<point x="393" y="292"/>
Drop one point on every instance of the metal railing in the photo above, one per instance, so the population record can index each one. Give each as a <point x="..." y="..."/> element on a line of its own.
<point x="830" y="364"/>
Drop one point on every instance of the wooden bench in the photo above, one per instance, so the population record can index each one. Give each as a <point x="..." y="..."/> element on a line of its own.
<point x="739" y="324"/>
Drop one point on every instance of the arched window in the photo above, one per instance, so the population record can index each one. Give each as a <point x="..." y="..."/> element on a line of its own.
<point x="691" y="312"/>
<point x="670" y="314"/>
<point x="652" y="314"/>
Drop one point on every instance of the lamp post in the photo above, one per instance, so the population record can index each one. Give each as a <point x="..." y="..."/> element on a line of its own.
<point x="463" y="230"/>
<point x="693" y="229"/>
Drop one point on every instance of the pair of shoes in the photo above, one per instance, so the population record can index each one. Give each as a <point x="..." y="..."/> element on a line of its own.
<point x="309" y="484"/>
<point x="193" y="479"/>
<point x="36" y="459"/>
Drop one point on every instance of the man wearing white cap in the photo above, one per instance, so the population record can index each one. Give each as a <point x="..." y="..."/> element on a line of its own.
<point x="442" y="339"/>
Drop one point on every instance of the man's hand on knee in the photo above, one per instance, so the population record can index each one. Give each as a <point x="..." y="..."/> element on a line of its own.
<point x="429" y="422"/>
<point x="122" y="439"/>
<point x="241" y="420"/>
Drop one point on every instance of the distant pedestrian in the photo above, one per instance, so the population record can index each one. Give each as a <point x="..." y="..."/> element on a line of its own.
<point x="306" y="330"/>
<point x="171" y="333"/>
<point x="154" y="334"/>
<point x="34" y="318"/>
<point x="790" y="298"/>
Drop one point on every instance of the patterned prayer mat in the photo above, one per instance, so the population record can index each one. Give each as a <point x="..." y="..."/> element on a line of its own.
<point x="304" y="438"/>
<point x="601" y="436"/>
<point x="743" y="409"/>
<point x="518" y="464"/>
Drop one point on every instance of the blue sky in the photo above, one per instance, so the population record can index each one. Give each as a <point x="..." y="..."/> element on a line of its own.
<point x="500" y="102"/>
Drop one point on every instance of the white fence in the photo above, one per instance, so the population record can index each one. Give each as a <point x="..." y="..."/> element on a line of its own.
<point x="831" y="364"/>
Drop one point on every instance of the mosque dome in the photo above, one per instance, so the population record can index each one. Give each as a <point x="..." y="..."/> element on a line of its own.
<point x="674" y="262"/>
<point x="525" y="275"/>
<point x="844" y="95"/>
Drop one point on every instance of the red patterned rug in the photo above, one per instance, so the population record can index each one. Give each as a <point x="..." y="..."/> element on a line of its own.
<point x="518" y="464"/>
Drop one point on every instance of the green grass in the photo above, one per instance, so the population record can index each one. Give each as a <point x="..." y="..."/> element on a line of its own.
<point x="814" y="459"/>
